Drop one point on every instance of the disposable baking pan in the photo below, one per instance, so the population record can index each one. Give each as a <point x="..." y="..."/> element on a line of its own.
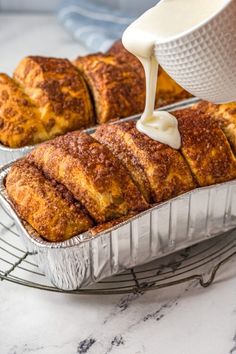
<point x="11" y="154"/>
<point x="163" y="229"/>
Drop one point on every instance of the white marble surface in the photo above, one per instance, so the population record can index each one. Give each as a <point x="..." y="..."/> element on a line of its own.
<point x="22" y="35"/>
<point x="29" y="5"/>
<point x="185" y="319"/>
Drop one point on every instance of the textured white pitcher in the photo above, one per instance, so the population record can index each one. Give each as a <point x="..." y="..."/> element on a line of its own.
<point x="203" y="60"/>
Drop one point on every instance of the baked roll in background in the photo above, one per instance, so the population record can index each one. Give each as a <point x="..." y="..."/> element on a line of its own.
<point x="58" y="90"/>
<point x="117" y="89"/>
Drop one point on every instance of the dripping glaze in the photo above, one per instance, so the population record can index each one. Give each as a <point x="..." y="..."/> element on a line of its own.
<point x="165" y="20"/>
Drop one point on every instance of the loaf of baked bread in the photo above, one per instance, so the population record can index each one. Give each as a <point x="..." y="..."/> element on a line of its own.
<point x="65" y="186"/>
<point x="117" y="89"/>
<point x="48" y="97"/>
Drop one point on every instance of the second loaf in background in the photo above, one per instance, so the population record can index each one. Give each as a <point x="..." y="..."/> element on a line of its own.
<point x="48" y="97"/>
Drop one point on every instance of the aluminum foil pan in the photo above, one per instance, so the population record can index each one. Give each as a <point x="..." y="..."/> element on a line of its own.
<point x="12" y="154"/>
<point x="165" y="228"/>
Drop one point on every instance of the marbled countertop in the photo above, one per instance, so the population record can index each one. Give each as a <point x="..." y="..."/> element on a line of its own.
<point x="22" y="35"/>
<point x="185" y="319"/>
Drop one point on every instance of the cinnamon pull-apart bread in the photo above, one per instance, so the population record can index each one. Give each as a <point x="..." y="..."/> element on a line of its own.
<point x="159" y="171"/>
<point x="47" y="206"/>
<point x="91" y="173"/>
<point x="58" y="90"/>
<point x="205" y="147"/>
<point x="20" y="123"/>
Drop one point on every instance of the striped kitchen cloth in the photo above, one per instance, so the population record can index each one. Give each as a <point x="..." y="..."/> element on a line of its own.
<point x="98" y="23"/>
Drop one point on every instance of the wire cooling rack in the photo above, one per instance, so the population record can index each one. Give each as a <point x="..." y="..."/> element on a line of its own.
<point x="200" y="262"/>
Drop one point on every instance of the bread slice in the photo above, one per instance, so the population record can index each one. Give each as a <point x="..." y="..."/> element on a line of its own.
<point x="47" y="206"/>
<point x="58" y="90"/>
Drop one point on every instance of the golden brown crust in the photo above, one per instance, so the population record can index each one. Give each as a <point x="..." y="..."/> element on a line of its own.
<point x="205" y="148"/>
<point x="58" y="90"/>
<point x="19" y="118"/>
<point x="159" y="171"/>
<point x="46" y="206"/>
<point x="117" y="89"/>
<point x="91" y="173"/>
<point x="224" y="114"/>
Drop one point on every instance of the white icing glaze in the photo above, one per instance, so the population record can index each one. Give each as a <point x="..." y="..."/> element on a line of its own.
<point x="165" y="20"/>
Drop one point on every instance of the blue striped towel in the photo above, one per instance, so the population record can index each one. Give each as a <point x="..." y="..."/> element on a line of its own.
<point x="98" y="23"/>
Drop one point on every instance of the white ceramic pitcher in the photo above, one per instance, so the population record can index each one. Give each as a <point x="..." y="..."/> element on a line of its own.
<point x="203" y="60"/>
